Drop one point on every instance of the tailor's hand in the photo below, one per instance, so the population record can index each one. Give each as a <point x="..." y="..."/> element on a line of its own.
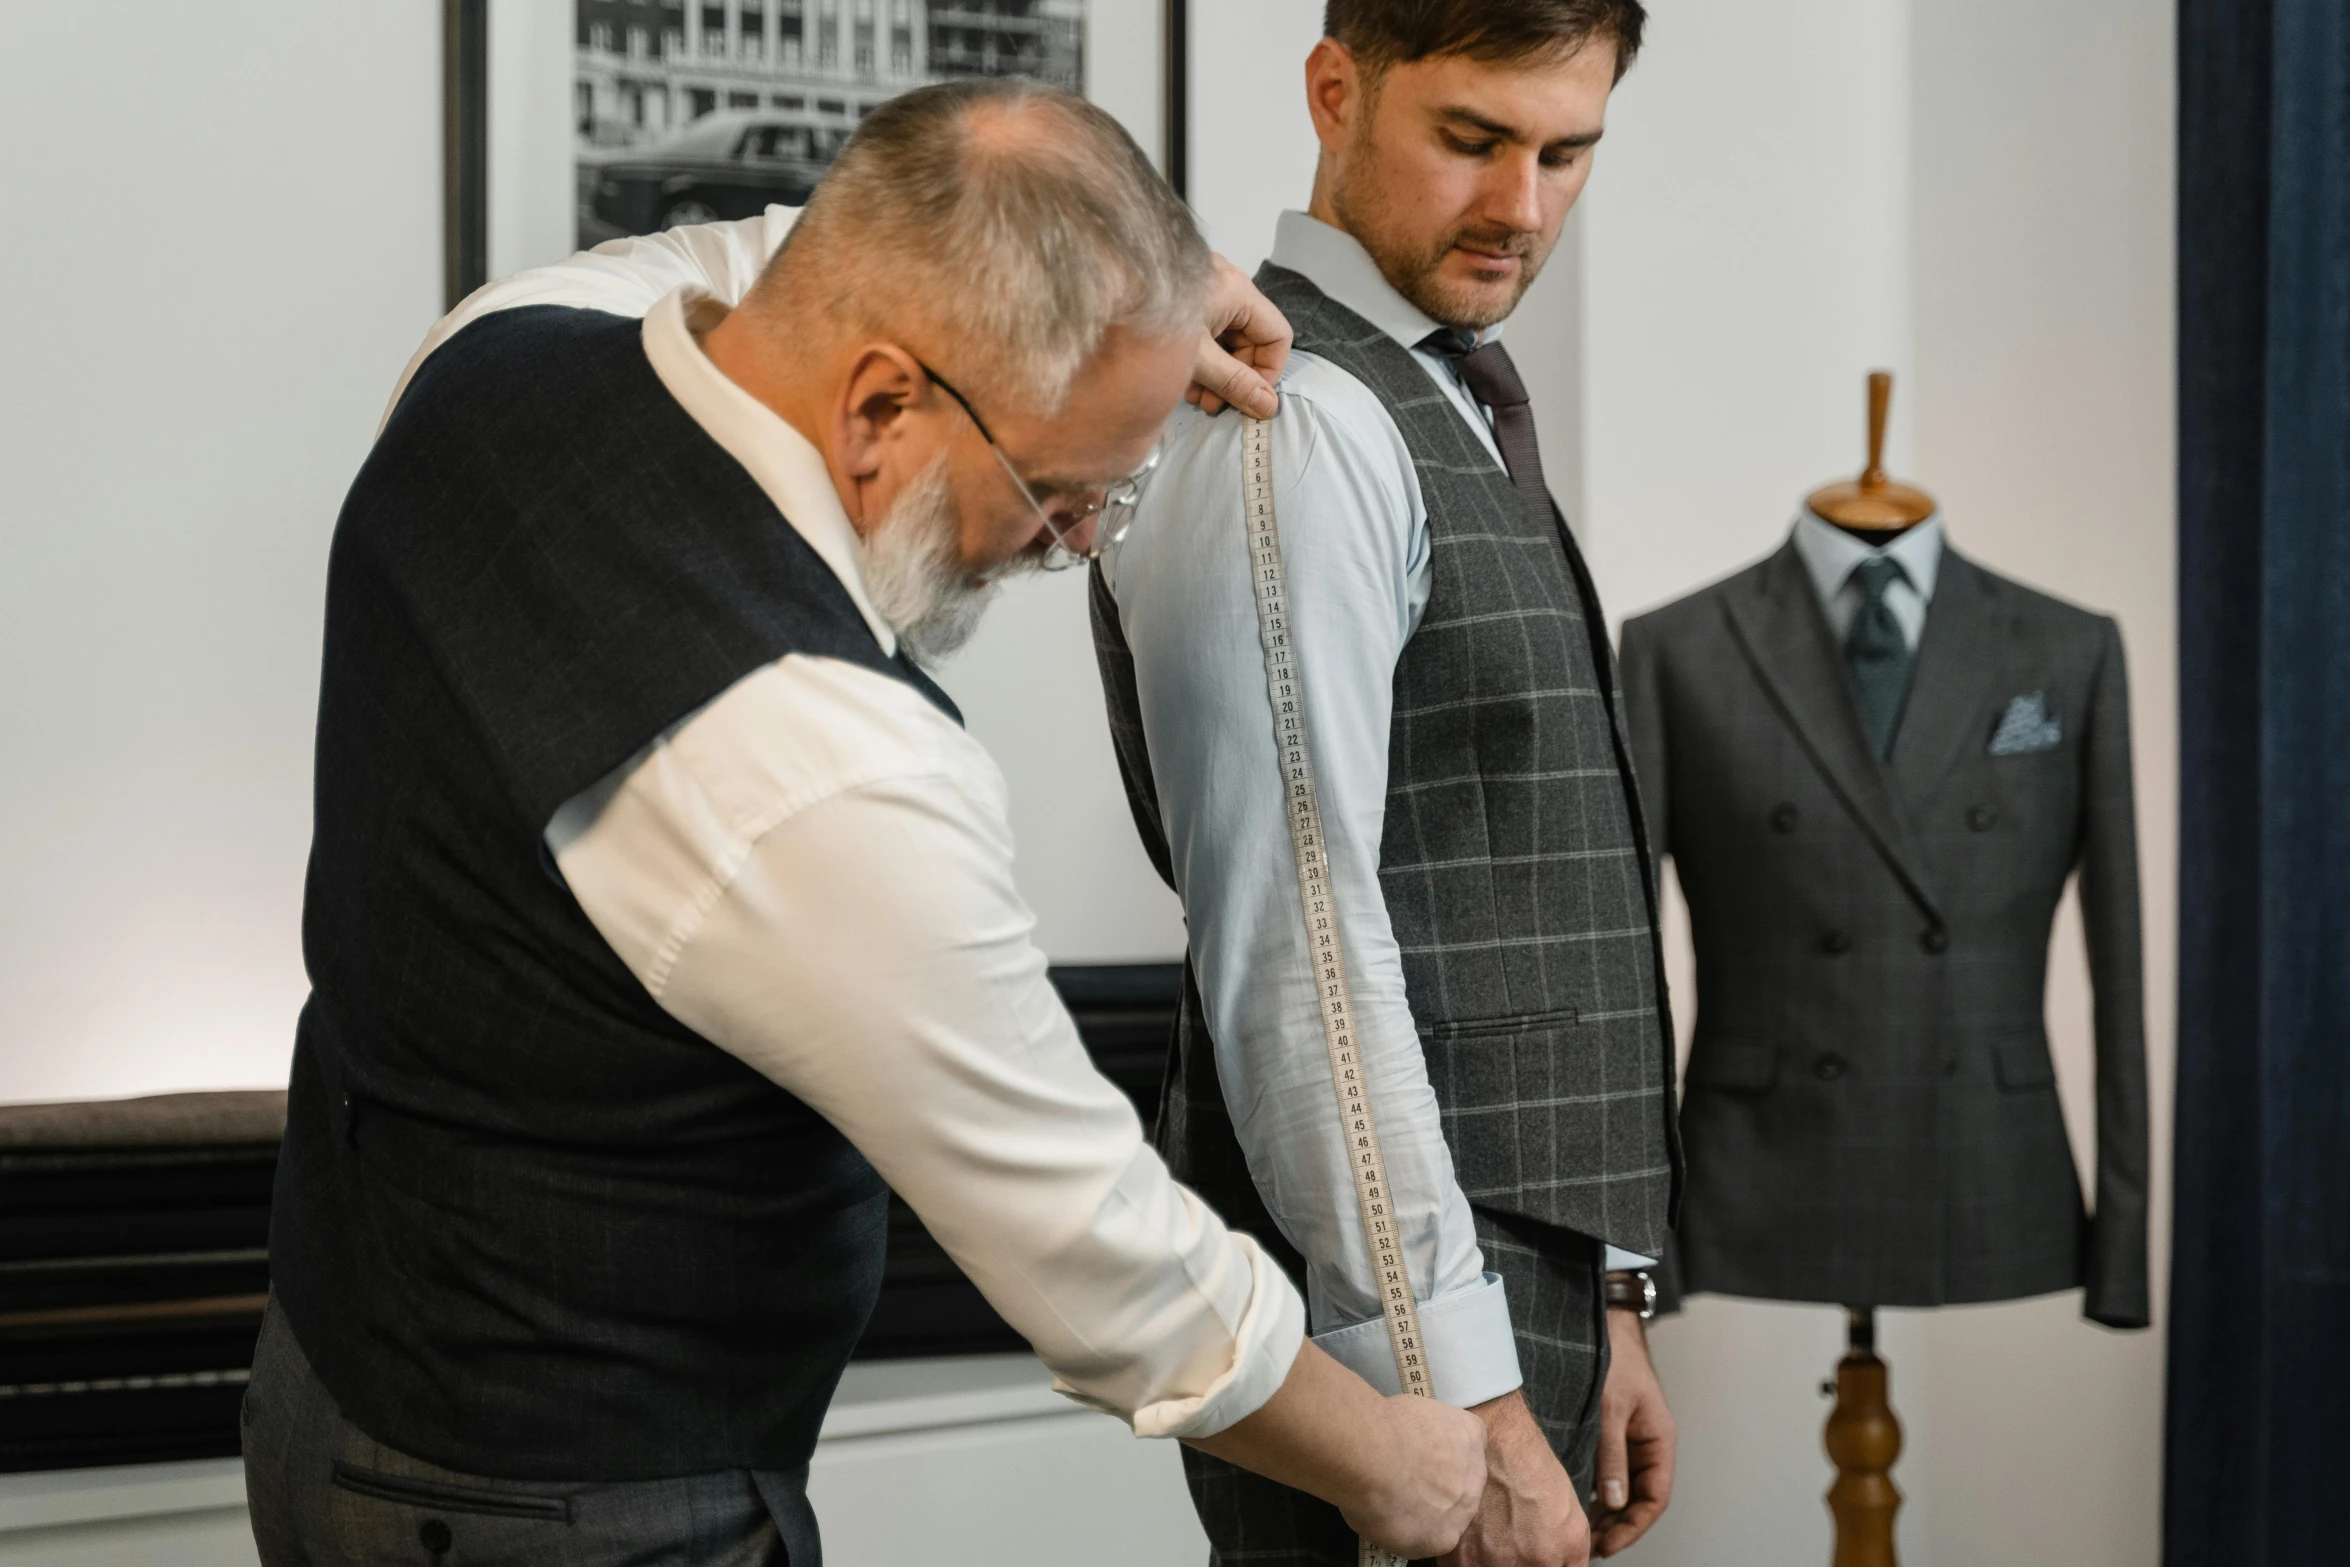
<point x="1636" y="1439"/>
<point x="1242" y="349"/>
<point x="1406" y="1473"/>
<point x="1431" y="1477"/>
<point x="1530" y="1516"/>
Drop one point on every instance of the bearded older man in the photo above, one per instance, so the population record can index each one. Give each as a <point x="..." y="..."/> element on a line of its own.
<point x="659" y="911"/>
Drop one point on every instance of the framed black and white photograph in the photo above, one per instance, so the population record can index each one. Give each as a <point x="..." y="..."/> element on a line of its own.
<point x="571" y="122"/>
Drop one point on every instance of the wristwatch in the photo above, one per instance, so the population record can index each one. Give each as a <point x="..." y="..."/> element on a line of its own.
<point x="1631" y="1289"/>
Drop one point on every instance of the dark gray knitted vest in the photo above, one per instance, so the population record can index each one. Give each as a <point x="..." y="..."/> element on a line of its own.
<point x="1514" y="862"/>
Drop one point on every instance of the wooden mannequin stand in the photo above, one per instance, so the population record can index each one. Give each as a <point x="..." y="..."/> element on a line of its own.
<point x="1863" y="1439"/>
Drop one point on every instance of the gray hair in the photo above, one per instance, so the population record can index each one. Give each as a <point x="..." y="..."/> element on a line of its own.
<point x="1019" y="219"/>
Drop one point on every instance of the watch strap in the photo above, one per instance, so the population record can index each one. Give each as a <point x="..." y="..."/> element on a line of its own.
<point x="1631" y="1289"/>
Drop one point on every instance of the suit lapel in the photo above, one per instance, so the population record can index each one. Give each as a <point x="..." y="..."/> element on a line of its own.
<point x="1784" y="636"/>
<point x="1953" y="686"/>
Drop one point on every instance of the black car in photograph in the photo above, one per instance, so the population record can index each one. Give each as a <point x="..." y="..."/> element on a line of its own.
<point x="728" y="164"/>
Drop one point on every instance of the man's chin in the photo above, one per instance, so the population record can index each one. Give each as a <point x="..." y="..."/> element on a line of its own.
<point x="942" y="633"/>
<point x="1460" y="293"/>
<point x="1472" y="304"/>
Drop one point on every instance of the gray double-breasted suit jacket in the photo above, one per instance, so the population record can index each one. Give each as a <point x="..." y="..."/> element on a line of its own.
<point x="1871" y="1115"/>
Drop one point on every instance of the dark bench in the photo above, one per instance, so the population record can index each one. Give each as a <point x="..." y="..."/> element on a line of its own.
<point x="134" y="1258"/>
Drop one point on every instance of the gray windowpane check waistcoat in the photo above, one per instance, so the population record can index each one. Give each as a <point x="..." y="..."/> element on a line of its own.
<point x="1514" y="862"/>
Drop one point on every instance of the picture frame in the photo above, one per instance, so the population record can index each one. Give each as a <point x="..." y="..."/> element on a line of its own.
<point x="571" y="121"/>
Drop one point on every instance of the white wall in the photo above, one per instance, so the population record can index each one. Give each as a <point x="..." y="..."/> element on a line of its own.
<point x="1977" y="195"/>
<point x="224" y="238"/>
<point x="2043" y="237"/>
<point x="1745" y="239"/>
<point x="1029" y="690"/>
<point x="1252" y="141"/>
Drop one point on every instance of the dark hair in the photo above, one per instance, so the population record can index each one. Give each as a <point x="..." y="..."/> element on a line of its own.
<point x="1381" y="33"/>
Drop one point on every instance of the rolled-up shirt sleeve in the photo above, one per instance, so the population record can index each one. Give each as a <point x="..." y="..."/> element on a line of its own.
<point x="815" y="874"/>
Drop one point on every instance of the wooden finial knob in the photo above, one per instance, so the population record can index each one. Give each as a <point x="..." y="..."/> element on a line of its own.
<point x="1874" y="500"/>
<point x="1880" y="404"/>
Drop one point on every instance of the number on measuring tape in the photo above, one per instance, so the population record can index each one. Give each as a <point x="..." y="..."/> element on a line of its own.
<point x="1283" y="689"/>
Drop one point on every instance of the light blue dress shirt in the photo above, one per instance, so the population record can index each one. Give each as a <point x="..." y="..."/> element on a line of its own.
<point x="1355" y="547"/>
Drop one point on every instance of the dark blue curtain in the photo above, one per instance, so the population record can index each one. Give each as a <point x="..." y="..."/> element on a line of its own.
<point x="2258" y="1459"/>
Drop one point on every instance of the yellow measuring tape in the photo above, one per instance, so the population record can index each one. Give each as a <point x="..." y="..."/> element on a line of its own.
<point x="1284" y="691"/>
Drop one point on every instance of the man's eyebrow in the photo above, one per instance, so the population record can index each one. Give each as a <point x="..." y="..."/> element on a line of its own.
<point x="1465" y="115"/>
<point x="1062" y="484"/>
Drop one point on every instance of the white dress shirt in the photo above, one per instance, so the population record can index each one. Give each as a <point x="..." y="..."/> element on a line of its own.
<point x="1831" y="556"/>
<point x="814" y="872"/>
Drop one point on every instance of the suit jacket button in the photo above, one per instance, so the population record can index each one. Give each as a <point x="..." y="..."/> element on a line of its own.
<point x="1935" y="940"/>
<point x="1784" y="818"/>
<point x="1834" y="942"/>
<point x="1950" y="1066"/>
<point x="1828" y="1068"/>
<point x="1983" y="817"/>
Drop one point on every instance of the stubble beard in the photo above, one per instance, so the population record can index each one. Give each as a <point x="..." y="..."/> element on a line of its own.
<point x="914" y="574"/>
<point x="1416" y="272"/>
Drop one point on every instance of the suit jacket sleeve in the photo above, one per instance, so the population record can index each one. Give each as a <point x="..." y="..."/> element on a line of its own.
<point x="1644" y="717"/>
<point x="2116" y="1265"/>
<point x="1644" y="721"/>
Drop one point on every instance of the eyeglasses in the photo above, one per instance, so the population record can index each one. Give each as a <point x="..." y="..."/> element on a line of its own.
<point x="1114" y="505"/>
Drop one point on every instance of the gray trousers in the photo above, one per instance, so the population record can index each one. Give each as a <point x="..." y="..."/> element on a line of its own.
<point x="324" y="1493"/>
<point x="1558" y="1315"/>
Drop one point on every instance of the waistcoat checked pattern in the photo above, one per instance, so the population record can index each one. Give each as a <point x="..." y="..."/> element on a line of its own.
<point x="1514" y="862"/>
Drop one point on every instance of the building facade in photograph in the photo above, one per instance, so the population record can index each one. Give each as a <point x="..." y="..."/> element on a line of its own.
<point x="651" y="67"/>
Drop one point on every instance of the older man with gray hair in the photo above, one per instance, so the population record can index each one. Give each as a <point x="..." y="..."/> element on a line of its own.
<point x="660" y="910"/>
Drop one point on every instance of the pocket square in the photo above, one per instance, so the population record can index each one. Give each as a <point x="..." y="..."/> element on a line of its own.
<point x="2027" y="725"/>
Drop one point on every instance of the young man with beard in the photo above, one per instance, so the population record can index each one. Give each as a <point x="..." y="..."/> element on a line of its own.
<point x="1493" y="892"/>
<point x="659" y="910"/>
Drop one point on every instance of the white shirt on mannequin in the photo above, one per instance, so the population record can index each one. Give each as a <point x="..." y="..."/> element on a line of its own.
<point x="1830" y="556"/>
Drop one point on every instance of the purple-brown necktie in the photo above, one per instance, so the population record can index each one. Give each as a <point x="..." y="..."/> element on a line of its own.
<point x="1493" y="380"/>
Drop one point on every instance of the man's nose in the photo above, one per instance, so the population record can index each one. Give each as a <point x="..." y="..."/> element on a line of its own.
<point x="1513" y="195"/>
<point x="1076" y="526"/>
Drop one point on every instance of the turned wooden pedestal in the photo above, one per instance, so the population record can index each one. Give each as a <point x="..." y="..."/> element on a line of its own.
<point x="1863" y="1439"/>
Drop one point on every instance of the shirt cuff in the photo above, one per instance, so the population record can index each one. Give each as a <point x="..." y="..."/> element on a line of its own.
<point x="1472" y="1355"/>
<point x="1265" y="1345"/>
<point x="1622" y="1261"/>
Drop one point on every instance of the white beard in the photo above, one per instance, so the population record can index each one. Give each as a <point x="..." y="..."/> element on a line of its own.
<point x="914" y="578"/>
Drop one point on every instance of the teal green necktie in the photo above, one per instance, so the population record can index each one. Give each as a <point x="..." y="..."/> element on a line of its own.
<point x="1878" y="653"/>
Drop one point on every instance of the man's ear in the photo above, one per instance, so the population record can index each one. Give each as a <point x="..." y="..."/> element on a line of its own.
<point x="1334" y="91"/>
<point x="883" y="383"/>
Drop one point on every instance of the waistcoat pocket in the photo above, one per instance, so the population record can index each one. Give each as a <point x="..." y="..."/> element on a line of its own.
<point x="1475" y="1027"/>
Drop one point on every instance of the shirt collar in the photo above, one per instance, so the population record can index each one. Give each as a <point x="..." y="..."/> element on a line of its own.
<point x="784" y="463"/>
<point x="1829" y="554"/>
<point x="1335" y="262"/>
